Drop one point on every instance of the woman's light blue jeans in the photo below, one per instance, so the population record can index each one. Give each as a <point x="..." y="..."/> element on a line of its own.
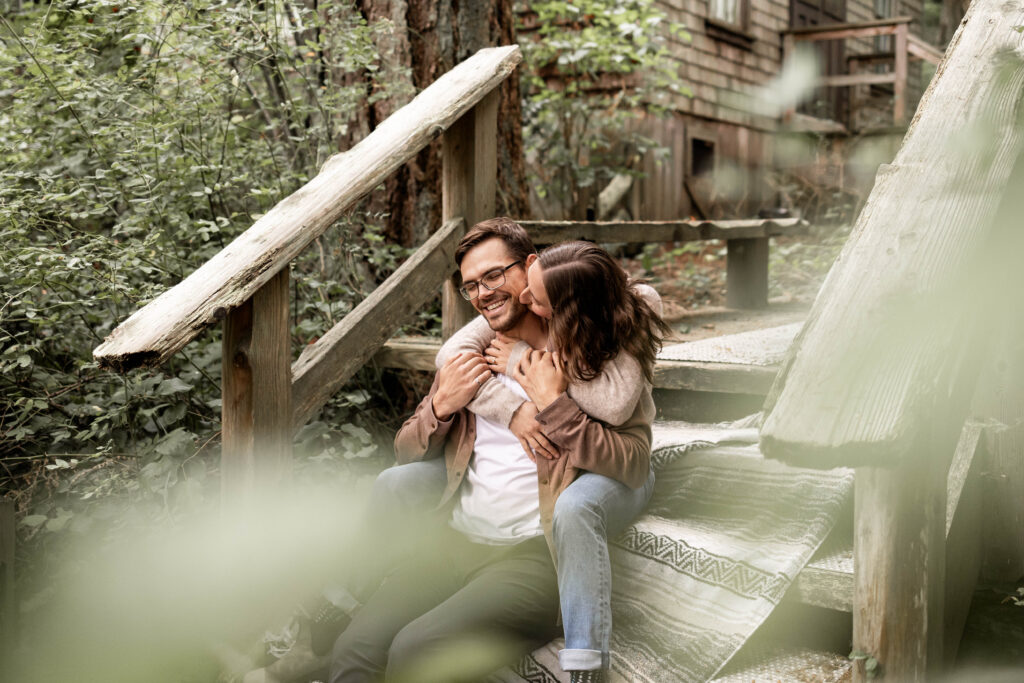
<point x="592" y="509"/>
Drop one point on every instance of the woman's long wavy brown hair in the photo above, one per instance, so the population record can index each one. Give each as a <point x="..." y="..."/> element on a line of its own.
<point x="595" y="312"/>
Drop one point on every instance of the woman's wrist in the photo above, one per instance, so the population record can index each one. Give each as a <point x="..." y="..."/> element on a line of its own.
<point x="546" y="398"/>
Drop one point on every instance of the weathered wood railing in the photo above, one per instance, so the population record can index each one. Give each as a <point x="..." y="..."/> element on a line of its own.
<point x="245" y="286"/>
<point x="907" y="47"/>
<point x="882" y="376"/>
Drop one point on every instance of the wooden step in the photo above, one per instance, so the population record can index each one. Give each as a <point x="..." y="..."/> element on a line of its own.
<point x="788" y="664"/>
<point x="744" y="363"/>
<point x="827" y="580"/>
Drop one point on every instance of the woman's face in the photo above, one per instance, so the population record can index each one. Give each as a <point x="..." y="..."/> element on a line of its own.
<point x="535" y="296"/>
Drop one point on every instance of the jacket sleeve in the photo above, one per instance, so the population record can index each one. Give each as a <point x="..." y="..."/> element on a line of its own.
<point x="623" y="454"/>
<point x="422" y="436"/>
<point x="493" y="401"/>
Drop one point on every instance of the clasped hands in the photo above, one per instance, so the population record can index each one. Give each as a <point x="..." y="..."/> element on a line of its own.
<point x="538" y="372"/>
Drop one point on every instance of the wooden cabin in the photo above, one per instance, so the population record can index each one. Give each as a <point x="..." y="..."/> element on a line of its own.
<point x="876" y="62"/>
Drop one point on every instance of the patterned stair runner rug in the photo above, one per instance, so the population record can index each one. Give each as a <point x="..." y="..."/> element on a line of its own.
<point x="725" y="534"/>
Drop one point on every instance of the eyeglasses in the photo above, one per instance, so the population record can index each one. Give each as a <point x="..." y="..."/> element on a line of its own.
<point x="490" y="281"/>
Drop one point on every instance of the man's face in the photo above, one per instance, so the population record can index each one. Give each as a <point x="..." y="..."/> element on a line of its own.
<point x="500" y="307"/>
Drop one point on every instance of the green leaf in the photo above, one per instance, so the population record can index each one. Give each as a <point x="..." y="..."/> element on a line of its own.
<point x="33" y="521"/>
<point x="172" y="386"/>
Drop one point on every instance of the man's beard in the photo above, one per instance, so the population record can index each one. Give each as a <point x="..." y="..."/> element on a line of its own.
<point x="514" y="313"/>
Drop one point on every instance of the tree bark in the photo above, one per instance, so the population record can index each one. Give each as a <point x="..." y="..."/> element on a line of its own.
<point x="429" y="38"/>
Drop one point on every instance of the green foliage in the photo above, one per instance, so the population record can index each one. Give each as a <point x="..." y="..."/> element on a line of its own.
<point x="593" y="69"/>
<point x="871" y="666"/>
<point x="136" y="140"/>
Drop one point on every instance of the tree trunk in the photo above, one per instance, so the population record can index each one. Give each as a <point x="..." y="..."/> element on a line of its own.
<point x="430" y="37"/>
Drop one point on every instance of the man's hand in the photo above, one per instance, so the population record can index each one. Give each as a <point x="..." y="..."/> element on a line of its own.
<point x="498" y="352"/>
<point x="526" y="428"/>
<point x="459" y="380"/>
<point x="540" y="375"/>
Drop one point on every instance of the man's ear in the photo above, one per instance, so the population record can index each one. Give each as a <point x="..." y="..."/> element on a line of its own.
<point x="530" y="259"/>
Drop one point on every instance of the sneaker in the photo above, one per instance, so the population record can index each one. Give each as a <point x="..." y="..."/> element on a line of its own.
<point x="325" y="626"/>
<point x="594" y="676"/>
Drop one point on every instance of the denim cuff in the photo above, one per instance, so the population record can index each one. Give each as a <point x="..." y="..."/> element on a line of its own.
<point x="581" y="660"/>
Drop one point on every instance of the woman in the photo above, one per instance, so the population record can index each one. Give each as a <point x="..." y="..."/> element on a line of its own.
<point x="603" y="334"/>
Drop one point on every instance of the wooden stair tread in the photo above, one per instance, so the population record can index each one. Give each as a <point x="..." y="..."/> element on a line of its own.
<point x="827" y="580"/>
<point x="726" y="364"/>
<point x="788" y="664"/>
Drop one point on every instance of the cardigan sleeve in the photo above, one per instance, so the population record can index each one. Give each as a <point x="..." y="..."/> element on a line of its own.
<point x="493" y="401"/>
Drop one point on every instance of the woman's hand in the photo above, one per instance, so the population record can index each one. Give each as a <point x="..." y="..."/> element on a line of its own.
<point x="459" y="380"/>
<point x="526" y="428"/>
<point x="498" y="352"/>
<point x="540" y="374"/>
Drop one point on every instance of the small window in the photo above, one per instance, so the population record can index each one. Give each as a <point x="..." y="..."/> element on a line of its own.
<point x="729" y="21"/>
<point x="728" y="12"/>
<point x="702" y="157"/>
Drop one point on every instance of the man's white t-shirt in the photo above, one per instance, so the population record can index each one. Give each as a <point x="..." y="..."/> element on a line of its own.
<point x="499" y="502"/>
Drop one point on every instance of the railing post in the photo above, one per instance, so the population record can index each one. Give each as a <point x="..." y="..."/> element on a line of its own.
<point x="256" y="412"/>
<point x="746" y="273"/>
<point x="899" y="566"/>
<point x="899" y="86"/>
<point x="470" y="160"/>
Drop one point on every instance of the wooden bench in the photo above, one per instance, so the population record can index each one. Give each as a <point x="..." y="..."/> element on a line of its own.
<point x="746" y="244"/>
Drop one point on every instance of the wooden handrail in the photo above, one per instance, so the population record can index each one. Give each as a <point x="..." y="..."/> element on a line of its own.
<point x="882" y="375"/>
<point x="204" y="298"/>
<point x="905" y="47"/>
<point x="550" y="232"/>
<point x="860" y="29"/>
<point x="323" y="367"/>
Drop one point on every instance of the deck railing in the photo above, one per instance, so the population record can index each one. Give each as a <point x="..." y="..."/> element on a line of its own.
<point x="245" y="286"/>
<point x="882" y="375"/>
<point x="906" y="47"/>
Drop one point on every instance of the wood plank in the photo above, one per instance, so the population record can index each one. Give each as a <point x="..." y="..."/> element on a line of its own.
<point x="888" y="326"/>
<point x="899" y="555"/>
<point x="256" y="448"/>
<point x="158" y="330"/>
<point x="551" y="232"/>
<point x="827" y="580"/>
<point x="824" y="586"/>
<point x="899" y="72"/>
<point x="1000" y="399"/>
<point x="746" y="273"/>
<point x="918" y="48"/>
<point x="846" y="80"/>
<point x="325" y="366"/>
<point x="963" y="537"/>
<point x="871" y="58"/>
<point x="860" y="29"/>
<point x="730" y="378"/>
<point x="469" y="183"/>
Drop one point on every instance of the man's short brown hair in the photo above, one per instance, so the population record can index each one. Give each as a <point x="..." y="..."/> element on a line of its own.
<point x="511" y="233"/>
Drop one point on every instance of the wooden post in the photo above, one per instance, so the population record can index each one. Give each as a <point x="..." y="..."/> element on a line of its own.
<point x="256" y="411"/>
<point x="788" y="50"/>
<point x="746" y="273"/>
<point x="899" y="568"/>
<point x="7" y="604"/>
<point x="470" y="158"/>
<point x="899" y="86"/>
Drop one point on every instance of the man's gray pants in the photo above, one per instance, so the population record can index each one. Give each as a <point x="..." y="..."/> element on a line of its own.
<point x="455" y="612"/>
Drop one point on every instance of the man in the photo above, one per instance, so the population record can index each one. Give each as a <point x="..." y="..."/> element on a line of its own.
<point x="485" y="591"/>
